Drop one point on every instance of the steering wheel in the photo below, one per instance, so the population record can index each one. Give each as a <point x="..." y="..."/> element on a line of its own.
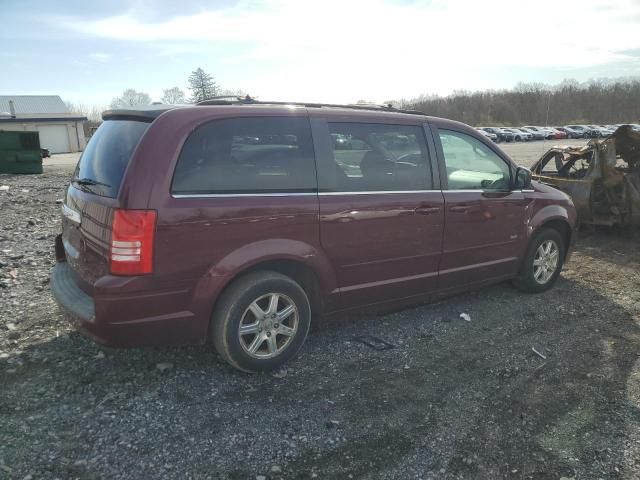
<point x="409" y="158"/>
<point x="497" y="184"/>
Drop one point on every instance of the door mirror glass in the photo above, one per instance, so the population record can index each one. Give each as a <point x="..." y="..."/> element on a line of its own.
<point x="523" y="178"/>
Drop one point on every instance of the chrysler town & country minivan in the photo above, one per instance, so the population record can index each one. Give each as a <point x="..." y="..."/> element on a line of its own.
<point x="237" y="222"/>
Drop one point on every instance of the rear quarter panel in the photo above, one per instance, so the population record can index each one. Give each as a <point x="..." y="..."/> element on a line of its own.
<point x="202" y="242"/>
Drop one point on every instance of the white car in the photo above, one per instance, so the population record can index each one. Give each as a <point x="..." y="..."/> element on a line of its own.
<point x="492" y="136"/>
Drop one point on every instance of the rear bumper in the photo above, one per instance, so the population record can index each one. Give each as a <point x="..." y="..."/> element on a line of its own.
<point x="109" y="318"/>
<point x="69" y="296"/>
<point x="79" y="307"/>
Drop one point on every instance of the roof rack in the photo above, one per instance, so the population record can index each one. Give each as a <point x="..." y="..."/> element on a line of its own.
<point x="247" y="100"/>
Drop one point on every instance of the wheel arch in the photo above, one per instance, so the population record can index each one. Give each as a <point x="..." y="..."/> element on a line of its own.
<point x="300" y="272"/>
<point x="298" y="260"/>
<point x="563" y="228"/>
<point x="556" y="218"/>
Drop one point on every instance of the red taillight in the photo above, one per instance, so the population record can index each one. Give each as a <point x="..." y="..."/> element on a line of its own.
<point x="132" y="242"/>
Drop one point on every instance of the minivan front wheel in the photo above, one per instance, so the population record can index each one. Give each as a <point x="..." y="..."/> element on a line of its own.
<point x="543" y="262"/>
<point x="261" y="321"/>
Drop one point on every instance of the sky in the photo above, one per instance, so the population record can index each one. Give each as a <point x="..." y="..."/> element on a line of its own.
<point x="336" y="51"/>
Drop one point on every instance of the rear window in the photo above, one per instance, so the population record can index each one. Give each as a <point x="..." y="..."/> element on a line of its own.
<point x="247" y="155"/>
<point x="107" y="155"/>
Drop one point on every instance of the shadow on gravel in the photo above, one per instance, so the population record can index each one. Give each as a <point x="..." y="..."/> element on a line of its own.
<point x="453" y="399"/>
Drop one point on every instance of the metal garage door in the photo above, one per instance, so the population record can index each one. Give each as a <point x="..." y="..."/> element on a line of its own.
<point x="54" y="138"/>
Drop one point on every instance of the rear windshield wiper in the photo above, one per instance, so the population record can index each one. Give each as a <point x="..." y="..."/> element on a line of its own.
<point x="89" y="181"/>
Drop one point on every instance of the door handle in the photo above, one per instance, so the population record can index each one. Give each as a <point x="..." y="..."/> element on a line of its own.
<point x="426" y="210"/>
<point x="459" y="209"/>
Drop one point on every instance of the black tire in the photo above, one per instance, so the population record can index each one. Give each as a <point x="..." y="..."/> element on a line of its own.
<point x="233" y="307"/>
<point x="526" y="280"/>
<point x="586" y="135"/>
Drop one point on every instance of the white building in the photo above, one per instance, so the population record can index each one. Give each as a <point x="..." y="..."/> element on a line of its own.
<point x="60" y="130"/>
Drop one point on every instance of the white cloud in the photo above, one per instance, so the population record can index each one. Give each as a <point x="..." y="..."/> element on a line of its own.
<point x="101" y="57"/>
<point x="369" y="46"/>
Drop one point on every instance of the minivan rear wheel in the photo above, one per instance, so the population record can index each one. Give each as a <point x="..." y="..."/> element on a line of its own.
<point x="542" y="263"/>
<point x="261" y="321"/>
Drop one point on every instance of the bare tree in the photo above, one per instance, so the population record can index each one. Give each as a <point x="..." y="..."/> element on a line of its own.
<point x="596" y="101"/>
<point x="93" y="112"/>
<point x="173" y="96"/>
<point x="131" y="98"/>
<point x="202" y="85"/>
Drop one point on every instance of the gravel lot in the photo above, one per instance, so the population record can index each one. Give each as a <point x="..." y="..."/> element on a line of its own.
<point x="453" y="399"/>
<point x="527" y="153"/>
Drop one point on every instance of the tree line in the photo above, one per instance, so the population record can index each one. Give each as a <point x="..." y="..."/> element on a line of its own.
<point x="603" y="101"/>
<point x="201" y="84"/>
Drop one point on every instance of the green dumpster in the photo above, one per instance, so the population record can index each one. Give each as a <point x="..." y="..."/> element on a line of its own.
<point x="20" y="152"/>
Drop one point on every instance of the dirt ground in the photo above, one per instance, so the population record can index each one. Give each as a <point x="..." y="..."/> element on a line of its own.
<point x="451" y="399"/>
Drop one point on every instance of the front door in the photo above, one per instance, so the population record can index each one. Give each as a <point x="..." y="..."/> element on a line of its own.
<point x="485" y="227"/>
<point x="381" y="222"/>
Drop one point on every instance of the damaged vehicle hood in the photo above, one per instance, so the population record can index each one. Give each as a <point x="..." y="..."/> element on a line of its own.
<point x="602" y="177"/>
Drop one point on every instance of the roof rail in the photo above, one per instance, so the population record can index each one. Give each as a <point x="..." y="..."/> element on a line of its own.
<point x="226" y="100"/>
<point x="247" y="100"/>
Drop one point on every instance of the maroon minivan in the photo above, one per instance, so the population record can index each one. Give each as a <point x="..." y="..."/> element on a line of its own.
<point x="235" y="221"/>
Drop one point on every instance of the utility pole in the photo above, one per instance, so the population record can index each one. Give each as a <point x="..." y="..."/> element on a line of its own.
<point x="546" y="123"/>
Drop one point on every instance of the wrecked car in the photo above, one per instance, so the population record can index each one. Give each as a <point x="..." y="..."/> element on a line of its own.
<point x="602" y="177"/>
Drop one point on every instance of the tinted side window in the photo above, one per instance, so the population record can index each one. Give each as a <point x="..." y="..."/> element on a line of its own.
<point x="471" y="165"/>
<point x="376" y="157"/>
<point x="247" y="155"/>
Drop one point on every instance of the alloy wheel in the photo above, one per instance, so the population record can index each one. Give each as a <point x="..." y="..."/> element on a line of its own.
<point x="268" y="325"/>
<point x="545" y="261"/>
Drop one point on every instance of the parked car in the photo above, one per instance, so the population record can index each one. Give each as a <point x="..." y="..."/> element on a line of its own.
<point x="557" y="134"/>
<point x="526" y="136"/>
<point x="175" y="231"/>
<point x="571" y="133"/>
<point x="340" y="142"/>
<point x="491" y="136"/>
<point x="537" y="135"/>
<point x="601" y="131"/>
<point x="518" y="136"/>
<point x="602" y="177"/>
<point x="503" y="136"/>
<point x="545" y="132"/>
<point x="584" y="130"/>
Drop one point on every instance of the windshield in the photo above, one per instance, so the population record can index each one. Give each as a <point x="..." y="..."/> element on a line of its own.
<point x="107" y="155"/>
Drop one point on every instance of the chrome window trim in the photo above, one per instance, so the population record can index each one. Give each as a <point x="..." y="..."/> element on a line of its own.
<point x="462" y="190"/>
<point x="293" y="194"/>
<point x="374" y="192"/>
<point x="330" y="194"/>
<point x="228" y="195"/>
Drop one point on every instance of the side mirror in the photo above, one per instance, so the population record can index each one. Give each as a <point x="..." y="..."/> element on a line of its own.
<point x="523" y="179"/>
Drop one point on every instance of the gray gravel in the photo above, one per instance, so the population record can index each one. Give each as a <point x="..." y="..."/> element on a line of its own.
<point x="527" y="153"/>
<point x="453" y="399"/>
